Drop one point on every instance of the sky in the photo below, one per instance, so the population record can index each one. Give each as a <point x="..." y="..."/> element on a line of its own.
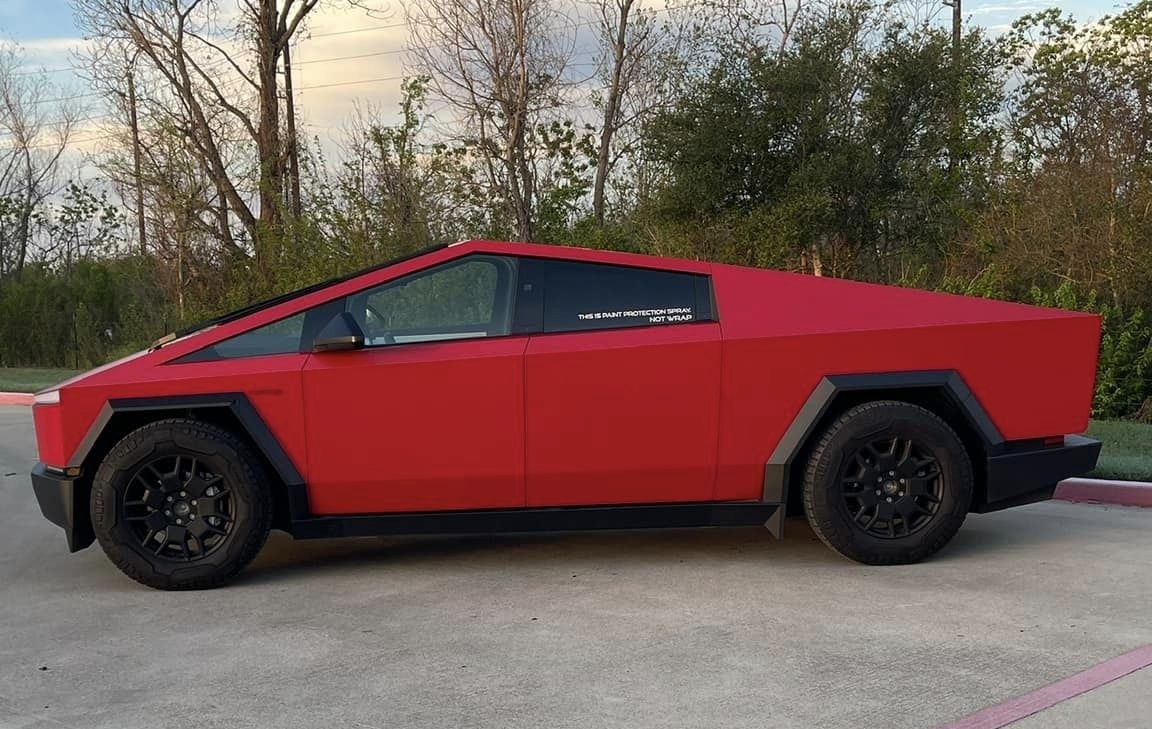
<point x="351" y="60"/>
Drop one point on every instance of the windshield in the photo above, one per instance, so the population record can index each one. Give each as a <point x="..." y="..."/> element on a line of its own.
<point x="267" y="303"/>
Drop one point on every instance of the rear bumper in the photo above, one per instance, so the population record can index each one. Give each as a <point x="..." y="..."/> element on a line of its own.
<point x="1030" y="474"/>
<point x="64" y="504"/>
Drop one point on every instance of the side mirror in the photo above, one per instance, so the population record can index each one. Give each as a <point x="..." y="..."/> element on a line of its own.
<point x="340" y="333"/>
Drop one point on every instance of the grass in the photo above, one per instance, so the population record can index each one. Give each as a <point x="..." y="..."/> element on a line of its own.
<point x="1127" y="452"/>
<point x="28" y="379"/>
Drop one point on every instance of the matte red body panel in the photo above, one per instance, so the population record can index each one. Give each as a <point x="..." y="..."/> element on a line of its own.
<point x="624" y="416"/>
<point x="681" y="412"/>
<point x="1031" y="368"/>
<point x="50" y="447"/>
<point x="424" y="427"/>
<point x="272" y="383"/>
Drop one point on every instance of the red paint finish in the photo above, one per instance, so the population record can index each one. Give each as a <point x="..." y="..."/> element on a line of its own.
<point x="1014" y="710"/>
<point x="48" y="420"/>
<point x="272" y="383"/>
<point x="664" y="413"/>
<point x="624" y="416"/>
<point x="1031" y="368"/>
<point x="1095" y="491"/>
<point x="416" y="427"/>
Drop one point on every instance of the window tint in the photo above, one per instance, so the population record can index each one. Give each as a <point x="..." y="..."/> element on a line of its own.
<point x="583" y="296"/>
<point x="458" y="300"/>
<point x="279" y="337"/>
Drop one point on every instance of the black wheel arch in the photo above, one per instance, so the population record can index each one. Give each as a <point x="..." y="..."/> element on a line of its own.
<point x="232" y="411"/>
<point x="943" y="392"/>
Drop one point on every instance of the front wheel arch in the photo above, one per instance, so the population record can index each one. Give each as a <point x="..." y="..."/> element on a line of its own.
<point x="233" y="412"/>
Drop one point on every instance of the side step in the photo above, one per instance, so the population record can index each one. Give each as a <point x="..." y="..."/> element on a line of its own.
<point x="551" y="519"/>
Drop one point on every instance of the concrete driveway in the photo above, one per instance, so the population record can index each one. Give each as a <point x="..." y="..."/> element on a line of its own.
<point x="694" y="629"/>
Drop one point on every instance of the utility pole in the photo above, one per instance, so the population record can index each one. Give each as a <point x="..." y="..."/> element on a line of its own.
<point x="293" y="146"/>
<point x="134" y="122"/>
<point x="957" y="84"/>
<point x="957" y="26"/>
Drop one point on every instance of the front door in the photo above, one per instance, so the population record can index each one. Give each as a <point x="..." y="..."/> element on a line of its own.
<point x="430" y="415"/>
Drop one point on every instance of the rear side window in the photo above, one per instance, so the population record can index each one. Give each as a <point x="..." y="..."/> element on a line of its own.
<point x="568" y="296"/>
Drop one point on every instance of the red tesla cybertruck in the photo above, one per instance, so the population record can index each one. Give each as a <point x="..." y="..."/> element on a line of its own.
<point x="484" y="387"/>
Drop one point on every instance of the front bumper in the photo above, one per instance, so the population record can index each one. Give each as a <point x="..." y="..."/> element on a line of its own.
<point x="1026" y="474"/>
<point x="65" y="504"/>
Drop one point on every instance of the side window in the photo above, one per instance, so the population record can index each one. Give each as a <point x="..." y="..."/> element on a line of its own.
<point x="279" y="337"/>
<point x="586" y="296"/>
<point x="461" y="299"/>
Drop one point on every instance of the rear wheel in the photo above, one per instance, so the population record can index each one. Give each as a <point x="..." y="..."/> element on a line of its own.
<point x="888" y="482"/>
<point x="180" y="504"/>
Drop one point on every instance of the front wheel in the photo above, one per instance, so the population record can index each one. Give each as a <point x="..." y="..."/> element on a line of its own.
<point x="181" y="505"/>
<point x="888" y="482"/>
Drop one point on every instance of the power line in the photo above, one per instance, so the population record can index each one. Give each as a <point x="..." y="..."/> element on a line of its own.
<point x="393" y="52"/>
<point x="223" y="63"/>
<point x="352" y="83"/>
<point x="357" y="30"/>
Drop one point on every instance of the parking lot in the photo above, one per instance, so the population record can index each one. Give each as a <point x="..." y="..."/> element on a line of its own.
<point x="723" y="628"/>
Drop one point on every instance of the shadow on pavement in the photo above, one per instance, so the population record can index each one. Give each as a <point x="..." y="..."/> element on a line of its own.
<point x="284" y="558"/>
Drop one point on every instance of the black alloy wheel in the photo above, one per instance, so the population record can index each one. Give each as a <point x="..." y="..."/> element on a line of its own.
<point x="892" y="487"/>
<point x="887" y="482"/>
<point x="178" y="508"/>
<point x="181" y="504"/>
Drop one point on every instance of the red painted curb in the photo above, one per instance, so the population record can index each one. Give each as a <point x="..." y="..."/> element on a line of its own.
<point x="1016" y="709"/>
<point x="15" y="398"/>
<point x="1093" y="491"/>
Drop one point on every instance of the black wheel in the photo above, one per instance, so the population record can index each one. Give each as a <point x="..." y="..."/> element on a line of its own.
<point x="181" y="505"/>
<point x="887" y="483"/>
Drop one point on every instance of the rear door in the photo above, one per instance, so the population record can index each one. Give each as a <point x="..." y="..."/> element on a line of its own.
<point x="622" y="387"/>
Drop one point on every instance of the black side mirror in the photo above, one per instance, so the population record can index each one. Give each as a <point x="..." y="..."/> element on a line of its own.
<point x="340" y="333"/>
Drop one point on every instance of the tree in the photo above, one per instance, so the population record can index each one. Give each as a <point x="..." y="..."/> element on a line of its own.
<point x="33" y="138"/>
<point x="631" y="45"/>
<point x="211" y="80"/>
<point x="501" y="66"/>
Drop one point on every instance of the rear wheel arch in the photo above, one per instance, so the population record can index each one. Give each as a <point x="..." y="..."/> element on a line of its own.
<point x="231" y="411"/>
<point x="942" y="392"/>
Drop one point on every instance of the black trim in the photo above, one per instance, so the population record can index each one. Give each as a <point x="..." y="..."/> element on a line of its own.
<point x="1028" y="472"/>
<point x="246" y="414"/>
<point x="705" y="311"/>
<point x="1016" y="472"/>
<point x="779" y="463"/>
<point x="580" y="518"/>
<point x="779" y="466"/>
<point x="60" y="502"/>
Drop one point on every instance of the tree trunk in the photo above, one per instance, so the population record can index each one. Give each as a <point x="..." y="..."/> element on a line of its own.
<point x="268" y="146"/>
<point x="611" y="111"/>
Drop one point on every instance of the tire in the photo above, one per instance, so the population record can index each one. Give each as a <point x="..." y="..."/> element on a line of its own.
<point x="881" y="506"/>
<point x="180" y="504"/>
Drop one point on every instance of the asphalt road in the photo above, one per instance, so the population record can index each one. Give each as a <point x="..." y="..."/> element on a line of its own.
<point x="693" y="629"/>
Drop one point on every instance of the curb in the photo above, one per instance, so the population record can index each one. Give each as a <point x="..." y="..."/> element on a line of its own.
<point x="15" y="398"/>
<point x="1096" y="491"/>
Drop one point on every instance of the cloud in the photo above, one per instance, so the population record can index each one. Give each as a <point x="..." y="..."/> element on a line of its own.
<point x="345" y="60"/>
<point x="1014" y="9"/>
